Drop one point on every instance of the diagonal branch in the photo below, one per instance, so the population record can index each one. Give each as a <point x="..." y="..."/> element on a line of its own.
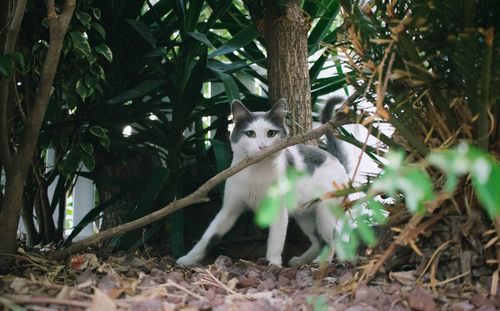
<point x="200" y="195"/>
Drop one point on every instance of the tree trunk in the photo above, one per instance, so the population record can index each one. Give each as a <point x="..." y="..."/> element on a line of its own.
<point x="17" y="164"/>
<point x="285" y="28"/>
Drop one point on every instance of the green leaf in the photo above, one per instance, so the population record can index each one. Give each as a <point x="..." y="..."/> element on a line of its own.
<point x="139" y="90"/>
<point x="105" y="142"/>
<point x="347" y="242"/>
<point x="88" y="161"/>
<point x="414" y="183"/>
<point x="18" y="59"/>
<point x="230" y="86"/>
<point x="322" y="28"/>
<point x="142" y="29"/>
<point x="191" y="93"/>
<point x="83" y="90"/>
<point x="91" y="81"/>
<point x="97" y="27"/>
<point x="378" y="211"/>
<point x="238" y="41"/>
<point x="105" y="51"/>
<point x="5" y="66"/>
<point x="71" y="162"/>
<point x="365" y="231"/>
<point x="94" y="213"/>
<point x="83" y="17"/>
<point x="87" y="148"/>
<point x="486" y="182"/>
<point x="80" y="42"/>
<point x="417" y="189"/>
<point x="319" y="303"/>
<point x="222" y="153"/>
<point x="97" y="70"/>
<point x="268" y="211"/>
<point x="97" y="13"/>
<point x="146" y="202"/>
<point x="201" y="37"/>
<point x="281" y="192"/>
<point x="98" y="131"/>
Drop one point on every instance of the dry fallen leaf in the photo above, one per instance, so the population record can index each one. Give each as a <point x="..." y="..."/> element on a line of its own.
<point x="102" y="302"/>
<point x="20" y="286"/>
<point x="81" y="262"/>
<point x="403" y="277"/>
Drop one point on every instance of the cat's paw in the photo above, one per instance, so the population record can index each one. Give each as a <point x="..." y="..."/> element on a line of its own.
<point x="187" y="261"/>
<point x="295" y="262"/>
<point x="274" y="262"/>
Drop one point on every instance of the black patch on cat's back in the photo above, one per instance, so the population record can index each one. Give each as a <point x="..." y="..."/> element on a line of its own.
<point x="313" y="157"/>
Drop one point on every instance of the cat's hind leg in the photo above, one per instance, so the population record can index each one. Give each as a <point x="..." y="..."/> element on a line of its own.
<point x="307" y="223"/>
<point x="326" y="222"/>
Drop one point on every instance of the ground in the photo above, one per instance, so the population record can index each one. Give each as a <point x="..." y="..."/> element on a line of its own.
<point x="132" y="282"/>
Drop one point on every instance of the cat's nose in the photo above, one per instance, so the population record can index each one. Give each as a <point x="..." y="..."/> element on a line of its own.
<point x="262" y="147"/>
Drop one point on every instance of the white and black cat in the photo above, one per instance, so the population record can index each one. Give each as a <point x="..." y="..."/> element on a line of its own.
<point x="254" y="131"/>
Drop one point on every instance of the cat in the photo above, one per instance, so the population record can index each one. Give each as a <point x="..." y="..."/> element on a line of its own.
<point x="254" y="131"/>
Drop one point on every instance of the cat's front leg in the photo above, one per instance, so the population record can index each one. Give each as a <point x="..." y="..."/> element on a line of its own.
<point x="224" y="220"/>
<point x="276" y="239"/>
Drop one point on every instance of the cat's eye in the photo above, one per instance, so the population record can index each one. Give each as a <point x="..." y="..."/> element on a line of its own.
<point x="271" y="133"/>
<point x="250" y="134"/>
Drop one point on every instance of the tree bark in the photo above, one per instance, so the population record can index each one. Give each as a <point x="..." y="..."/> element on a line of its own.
<point x="284" y="28"/>
<point x="17" y="164"/>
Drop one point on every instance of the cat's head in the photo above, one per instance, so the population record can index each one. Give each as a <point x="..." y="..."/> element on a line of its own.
<point x="254" y="131"/>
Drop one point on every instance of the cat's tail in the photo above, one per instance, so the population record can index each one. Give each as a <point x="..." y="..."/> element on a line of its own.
<point x="334" y="146"/>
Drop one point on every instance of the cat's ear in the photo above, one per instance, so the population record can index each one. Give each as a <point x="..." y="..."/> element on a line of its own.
<point x="278" y="112"/>
<point x="239" y="110"/>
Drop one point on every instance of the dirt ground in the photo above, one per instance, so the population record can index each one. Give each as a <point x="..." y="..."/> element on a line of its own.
<point x="131" y="282"/>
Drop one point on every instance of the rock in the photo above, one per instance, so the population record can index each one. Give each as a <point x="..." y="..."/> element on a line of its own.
<point x="247" y="282"/>
<point x="303" y="279"/>
<point x="223" y="261"/>
<point x="289" y="273"/>
<point x="361" y="307"/>
<point x="462" y="306"/>
<point x="175" y="276"/>
<point x="479" y="300"/>
<point x="421" y="300"/>
<point x="147" y="305"/>
<point x="366" y="294"/>
<point x="266" y="285"/>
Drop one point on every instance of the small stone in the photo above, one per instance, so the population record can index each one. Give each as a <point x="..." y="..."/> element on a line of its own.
<point x="247" y="282"/>
<point x="361" y="307"/>
<point x="223" y="261"/>
<point x="366" y="294"/>
<point x="462" y="306"/>
<point x="266" y="285"/>
<point x="421" y="300"/>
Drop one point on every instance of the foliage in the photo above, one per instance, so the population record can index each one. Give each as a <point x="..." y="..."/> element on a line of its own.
<point x="355" y="224"/>
<point x="149" y="66"/>
<point x="440" y="59"/>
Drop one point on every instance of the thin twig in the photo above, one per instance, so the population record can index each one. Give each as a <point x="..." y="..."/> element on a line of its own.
<point x="441" y="247"/>
<point x="182" y="288"/>
<point x="216" y="282"/>
<point x="47" y="300"/>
